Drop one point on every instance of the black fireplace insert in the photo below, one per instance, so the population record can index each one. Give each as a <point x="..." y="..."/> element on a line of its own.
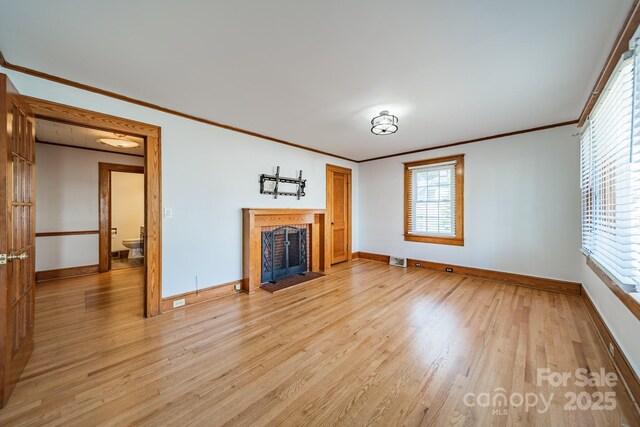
<point x="284" y="253"/>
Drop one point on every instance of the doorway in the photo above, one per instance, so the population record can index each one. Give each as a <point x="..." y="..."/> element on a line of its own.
<point x="150" y="134"/>
<point x="339" y="212"/>
<point x="121" y="216"/>
<point x="18" y="116"/>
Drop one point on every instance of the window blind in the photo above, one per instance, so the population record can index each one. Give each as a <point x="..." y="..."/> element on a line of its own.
<point x="432" y="200"/>
<point x="609" y="181"/>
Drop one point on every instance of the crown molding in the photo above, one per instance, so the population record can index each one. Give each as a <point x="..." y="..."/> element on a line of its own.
<point x="620" y="46"/>
<point x="24" y="70"/>
<point x="35" y="73"/>
<point x="469" y="141"/>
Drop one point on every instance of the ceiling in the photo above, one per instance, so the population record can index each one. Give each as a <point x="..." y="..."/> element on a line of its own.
<point x="78" y="136"/>
<point x="315" y="73"/>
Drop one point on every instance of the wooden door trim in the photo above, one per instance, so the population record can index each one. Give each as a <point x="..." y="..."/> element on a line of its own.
<point x="153" y="184"/>
<point x="329" y="189"/>
<point x="104" y="209"/>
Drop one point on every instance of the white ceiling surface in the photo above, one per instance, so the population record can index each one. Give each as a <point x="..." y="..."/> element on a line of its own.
<point x="315" y="73"/>
<point x="78" y="136"/>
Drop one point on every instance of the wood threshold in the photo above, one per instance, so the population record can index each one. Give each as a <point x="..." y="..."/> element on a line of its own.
<point x="619" y="359"/>
<point x="65" y="233"/>
<point x="24" y="70"/>
<point x="620" y="46"/>
<point x="60" y="273"/>
<point x="629" y="301"/>
<point x="534" y="282"/>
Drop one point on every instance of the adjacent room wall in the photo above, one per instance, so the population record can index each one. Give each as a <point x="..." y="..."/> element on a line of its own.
<point x="521" y="206"/>
<point x="208" y="175"/>
<point x="127" y="207"/>
<point x="67" y="200"/>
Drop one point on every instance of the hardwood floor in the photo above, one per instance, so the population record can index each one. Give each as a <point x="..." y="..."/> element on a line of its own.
<point x="368" y="344"/>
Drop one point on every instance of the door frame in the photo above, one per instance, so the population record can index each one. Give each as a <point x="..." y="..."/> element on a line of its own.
<point x="152" y="182"/>
<point x="104" y="209"/>
<point x="329" y="189"/>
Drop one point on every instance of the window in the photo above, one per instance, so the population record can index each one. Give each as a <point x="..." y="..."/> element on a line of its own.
<point x="433" y="206"/>
<point x="610" y="179"/>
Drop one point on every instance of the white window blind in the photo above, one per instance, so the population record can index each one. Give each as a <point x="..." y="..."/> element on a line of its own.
<point x="433" y="200"/>
<point x="609" y="181"/>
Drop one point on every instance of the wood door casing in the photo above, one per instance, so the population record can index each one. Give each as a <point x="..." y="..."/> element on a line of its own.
<point x="104" y="209"/>
<point x="153" y="181"/>
<point x="17" y="226"/>
<point x="339" y="210"/>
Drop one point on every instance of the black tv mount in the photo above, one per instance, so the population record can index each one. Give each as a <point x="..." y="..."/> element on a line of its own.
<point x="301" y="183"/>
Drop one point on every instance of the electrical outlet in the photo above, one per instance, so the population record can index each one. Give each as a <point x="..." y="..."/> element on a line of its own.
<point x="449" y="270"/>
<point x="612" y="349"/>
<point x="237" y="287"/>
<point x="178" y="303"/>
<point x="418" y="264"/>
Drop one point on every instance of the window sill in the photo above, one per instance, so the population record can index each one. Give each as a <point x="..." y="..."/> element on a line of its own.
<point x="456" y="241"/>
<point x="630" y="300"/>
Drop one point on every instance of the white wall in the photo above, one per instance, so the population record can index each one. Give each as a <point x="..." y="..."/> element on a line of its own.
<point x="521" y="206"/>
<point x="208" y="175"/>
<point x="67" y="200"/>
<point x="127" y="207"/>
<point x="622" y="324"/>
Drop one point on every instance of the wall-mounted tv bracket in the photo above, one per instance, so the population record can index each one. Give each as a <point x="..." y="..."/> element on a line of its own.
<point x="301" y="183"/>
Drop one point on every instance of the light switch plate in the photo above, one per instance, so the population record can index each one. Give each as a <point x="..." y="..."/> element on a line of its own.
<point x="168" y="212"/>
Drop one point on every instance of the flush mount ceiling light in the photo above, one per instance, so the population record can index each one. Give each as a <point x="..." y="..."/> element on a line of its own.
<point x="118" y="142"/>
<point x="384" y="124"/>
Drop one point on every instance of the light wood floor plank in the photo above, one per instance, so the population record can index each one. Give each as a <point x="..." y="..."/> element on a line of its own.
<point x="369" y="344"/>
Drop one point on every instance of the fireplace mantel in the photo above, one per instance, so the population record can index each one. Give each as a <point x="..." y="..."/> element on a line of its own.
<point x="252" y="222"/>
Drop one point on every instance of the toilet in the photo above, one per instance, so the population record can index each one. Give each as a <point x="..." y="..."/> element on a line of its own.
<point x="135" y="247"/>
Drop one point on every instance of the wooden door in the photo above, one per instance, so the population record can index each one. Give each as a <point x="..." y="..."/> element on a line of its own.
<point x="339" y="210"/>
<point x="17" y="236"/>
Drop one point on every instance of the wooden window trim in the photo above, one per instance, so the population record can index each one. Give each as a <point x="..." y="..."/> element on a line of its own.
<point x="458" y="239"/>
<point x="628" y="300"/>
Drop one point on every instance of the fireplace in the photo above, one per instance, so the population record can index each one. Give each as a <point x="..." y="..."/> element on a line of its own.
<point x="305" y="254"/>
<point x="284" y="252"/>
